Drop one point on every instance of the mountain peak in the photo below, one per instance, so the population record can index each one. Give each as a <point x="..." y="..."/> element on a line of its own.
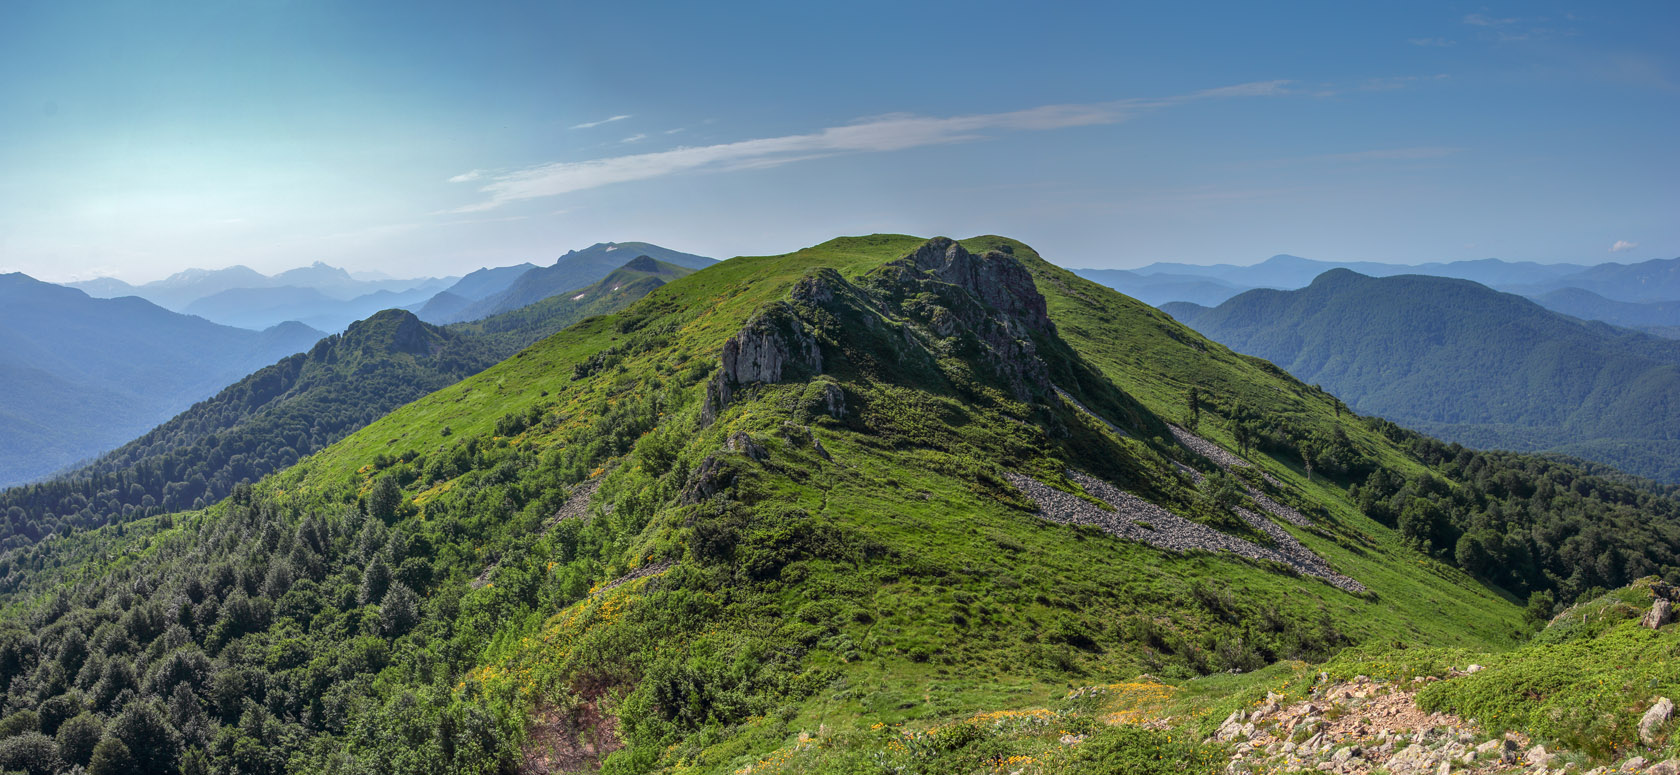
<point x="642" y="263"/>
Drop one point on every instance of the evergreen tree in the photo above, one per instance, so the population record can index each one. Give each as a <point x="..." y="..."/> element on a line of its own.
<point x="376" y="579"/>
<point x="385" y="499"/>
<point x="399" y="611"/>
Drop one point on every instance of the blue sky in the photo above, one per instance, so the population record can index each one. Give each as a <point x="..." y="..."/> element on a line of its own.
<point x="139" y="138"/>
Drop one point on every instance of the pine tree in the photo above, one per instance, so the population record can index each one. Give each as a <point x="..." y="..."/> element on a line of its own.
<point x="399" y="611"/>
<point x="375" y="580"/>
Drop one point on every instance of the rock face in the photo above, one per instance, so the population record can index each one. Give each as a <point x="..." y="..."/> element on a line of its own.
<point x="996" y="279"/>
<point x="772" y="345"/>
<point x="1661" y="613"/>
<point x="989" y="300"/>
<point x="1652" y="724"/>
<point x="979" y="307"/>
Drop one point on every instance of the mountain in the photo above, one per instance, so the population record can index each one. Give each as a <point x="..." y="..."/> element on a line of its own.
<point x="1653" y="317"/>
<point x="1157" y="289"/>
<point x="637" y="278"/>
<point x="258" y="308"/>
<point x="474" y="286"/>
<point x="833" y="511"/>
<point x="1285" y="271"/>
<point x="485" y="282"/>
<point x="262" y="423"/>
<point x="83" y="375"/>
<point x="1657" y="280"/>
<point x="1467" y="363"/>
<point x="182" y="289"/>
<point x="577" y="269"/>
<point x="286" y="411"/>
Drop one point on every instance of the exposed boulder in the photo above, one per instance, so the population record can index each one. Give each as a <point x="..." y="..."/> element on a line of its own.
<point x="1661" y="613"/>
<point x="1655" y="720"/>
<point x="742" y="443"/>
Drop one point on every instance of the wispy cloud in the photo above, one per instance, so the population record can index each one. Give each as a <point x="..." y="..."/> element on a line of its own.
<point x="593" y="124"/>
<point x="1483" y="20"/>
<point x="1622" y="246"/>
<point x="878" y="134"/>
<point x="467" y="177"/>
<point x="634" y="138"/>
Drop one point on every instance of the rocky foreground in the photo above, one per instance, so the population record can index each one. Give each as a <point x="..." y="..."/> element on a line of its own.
<point x="1365" y="726"/>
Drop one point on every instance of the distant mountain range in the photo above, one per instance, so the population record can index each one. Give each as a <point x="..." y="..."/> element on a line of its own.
<point x="1286" y="271"/>
<point x="287" y="410"/>
<point x="1634" y="295"/>
<point x="474" y="286"/>
<point x="573" y="271"/>
<point x="318" y="295"/>
<point x="81" y="375"/>
<point x="1468" y="363"/>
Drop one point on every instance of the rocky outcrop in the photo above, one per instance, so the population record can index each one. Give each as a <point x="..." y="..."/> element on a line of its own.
<point x="998" y="280"/>
<point x="772" y="346"/>
<point x="989" y="298"/>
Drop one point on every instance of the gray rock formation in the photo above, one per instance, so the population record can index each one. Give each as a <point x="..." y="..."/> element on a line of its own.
<point x="1661" y="613"/>
<point x="1655" y="720"/>
<point x="773" y="345"/>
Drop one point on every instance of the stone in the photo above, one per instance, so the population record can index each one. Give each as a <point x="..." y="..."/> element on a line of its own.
<point x="1651" y="725"/>
<point x="1346" y="753"/>
<point x="1538" y="756"/>
<point x="1661" y="613"/>
<point x="1636" y="763"/>
<point x="744" y="444"/>
<point x="1444" y="769"/>
<point x="1668" y="767"/>
<point x="1473" y="669"/>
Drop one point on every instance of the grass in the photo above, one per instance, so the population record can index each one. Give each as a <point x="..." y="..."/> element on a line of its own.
<point x="867" y="610"/>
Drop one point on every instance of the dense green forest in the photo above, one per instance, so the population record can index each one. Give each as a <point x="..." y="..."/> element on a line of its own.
<point x="637" y="545"/>
<point x="1469" y="364"/>
<point x="276" y="416"/>
<point x="1528" y="523"/>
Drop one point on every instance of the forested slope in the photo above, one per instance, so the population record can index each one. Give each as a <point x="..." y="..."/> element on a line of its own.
<point x="1469" y="364"/>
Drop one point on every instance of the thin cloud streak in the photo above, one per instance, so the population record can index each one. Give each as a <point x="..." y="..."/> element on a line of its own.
<point x="878" y="134"/>
<point x="1623" y="246"/>
<point x="593" y="124"/>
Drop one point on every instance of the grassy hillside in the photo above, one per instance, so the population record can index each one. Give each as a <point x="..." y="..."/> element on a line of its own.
<point x="278" y="414"/>
<point x="760" y="516"/>
<point x="1469" y="364"/>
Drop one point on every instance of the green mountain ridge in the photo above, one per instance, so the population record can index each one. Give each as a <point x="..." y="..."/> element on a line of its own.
<point x="280" y="413"/>
<point x="1467" y="363"/>
<point x="764" y="518"/>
